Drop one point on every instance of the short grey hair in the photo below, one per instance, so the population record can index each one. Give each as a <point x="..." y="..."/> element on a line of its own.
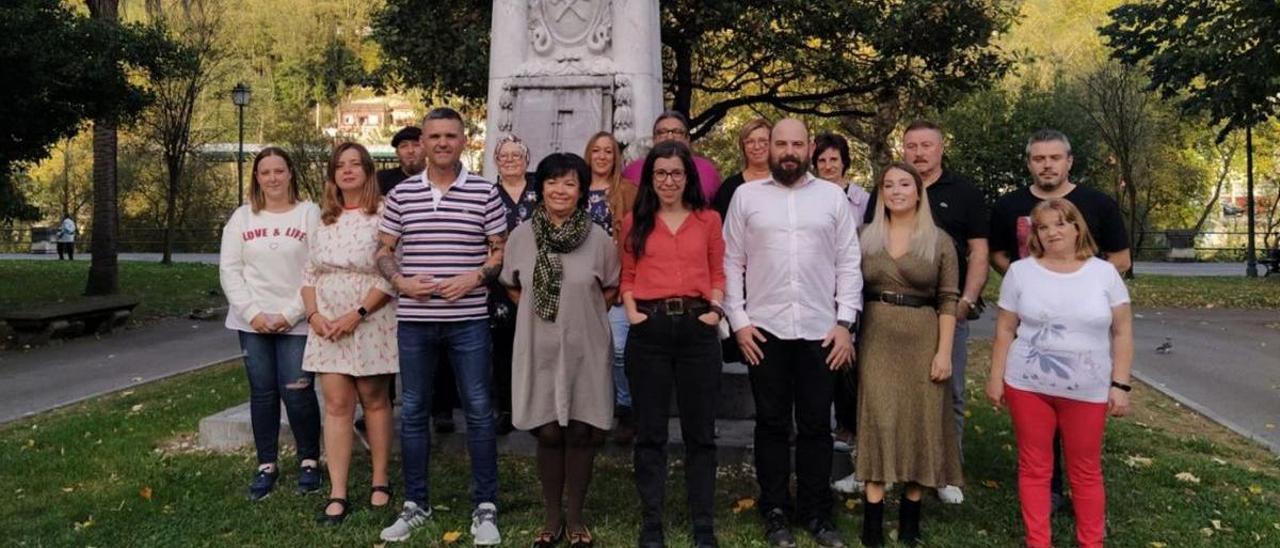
<point x="513" y="139"/>
<point x="1046" y="135"/>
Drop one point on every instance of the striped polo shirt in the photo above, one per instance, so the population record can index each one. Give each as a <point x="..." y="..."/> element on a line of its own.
<point x="444" y="236"/>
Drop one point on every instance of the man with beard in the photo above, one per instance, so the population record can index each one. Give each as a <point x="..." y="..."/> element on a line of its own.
<point x="408" y="145"/>
<point x="791" y="243"/>
<point x="1049" y="161"/>
<point x="958" y="209"/>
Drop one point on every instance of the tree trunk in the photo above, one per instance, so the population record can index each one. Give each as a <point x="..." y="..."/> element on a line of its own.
<point x="170" y="211"/>
<point x="103" y="269"/>
<point x="682" y="94"/>
<point x="104" y="273"/>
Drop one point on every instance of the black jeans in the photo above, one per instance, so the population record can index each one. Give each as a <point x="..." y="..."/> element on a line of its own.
<point x="504" y="338"/>
<point x="846" y="399"/>
<point x="793" y="378"/>
<point x="681" y="350"/>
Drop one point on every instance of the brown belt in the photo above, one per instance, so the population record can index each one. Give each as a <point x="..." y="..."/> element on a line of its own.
<point x="899" y="299"/>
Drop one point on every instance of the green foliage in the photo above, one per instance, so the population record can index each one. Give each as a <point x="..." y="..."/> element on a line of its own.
<point x="1216" y="58"/>
<point x="66" y="68"/>
<point x="440" y="47"/>
<point x="165" y="290"/>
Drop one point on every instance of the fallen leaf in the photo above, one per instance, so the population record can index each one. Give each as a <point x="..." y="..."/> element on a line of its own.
<point x="1255" y="489"/>
<point x="136" y="408"/>
<point x="451" y="537"/>
<point x="80" y="525"/>
<point x="991" y="484"/>
<point x="127" y="393"/>
<point x="440" y="508"/>
<point x="1154" y="544"/>
<point x="1217" y="460"/>
<point x="1135" y="461"/>
<point x="68" y="489"/>
<point x="851" y="503"/>
<point x="1007" y="448"/>
<point x="1217" y="524"/>
<point x="744" y="504"/>
<point x="1187" y="477"/>
<point x="145" y="493"/>
<point x="1206" y="531"/>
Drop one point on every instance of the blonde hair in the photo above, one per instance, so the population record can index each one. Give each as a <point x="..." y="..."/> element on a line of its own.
<point x="1085" y="246"/>
<point x="615" y="173"/>
<point x="924" y="235"/>
<point x="747" y="128"/>
<point x="370" y="197"/>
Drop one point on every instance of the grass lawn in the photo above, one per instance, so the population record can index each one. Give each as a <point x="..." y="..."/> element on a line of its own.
<point x="121" y="471"/>
<point x="1186" y="292"/>
<point x="165" y="290"/>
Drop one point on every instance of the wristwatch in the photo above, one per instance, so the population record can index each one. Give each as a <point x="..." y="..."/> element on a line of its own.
<point x="847" y="325"/>
<point x="1122" y="386"/>
<point x="362" y="312"/>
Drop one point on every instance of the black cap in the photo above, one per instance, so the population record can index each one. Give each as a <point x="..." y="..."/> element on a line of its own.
<point x="408" y="133"/>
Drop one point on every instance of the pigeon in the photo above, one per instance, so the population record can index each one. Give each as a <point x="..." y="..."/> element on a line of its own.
<point x="1166" y="347"/>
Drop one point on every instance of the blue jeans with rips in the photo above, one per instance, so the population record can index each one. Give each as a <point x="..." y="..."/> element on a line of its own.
<point x="273" y="363"/>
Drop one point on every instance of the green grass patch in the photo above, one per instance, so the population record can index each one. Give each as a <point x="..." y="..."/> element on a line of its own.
<point x="1151" y="291"/>
<point x="165" y="290"/>
<point x="120" y="471"/>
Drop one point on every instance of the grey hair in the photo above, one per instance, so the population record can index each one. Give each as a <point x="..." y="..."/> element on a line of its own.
<point x="511" y="138"/>
<point x="1046" y="135"/>
<point x="444" y="113"/>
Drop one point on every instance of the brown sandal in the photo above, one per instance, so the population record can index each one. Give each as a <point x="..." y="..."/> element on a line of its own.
<point x="547" y="539"/>
<point x="581" y="539"/>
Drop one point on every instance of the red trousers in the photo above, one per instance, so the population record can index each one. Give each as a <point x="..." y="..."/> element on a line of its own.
<point x="1035" y="417"/>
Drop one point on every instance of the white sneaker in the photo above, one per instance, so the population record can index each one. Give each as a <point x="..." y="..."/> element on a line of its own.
<point x="848" y="485"/>
<point x="950" y="494"/>
<point x="484" y="525"/>
<point x="411" y="517"/>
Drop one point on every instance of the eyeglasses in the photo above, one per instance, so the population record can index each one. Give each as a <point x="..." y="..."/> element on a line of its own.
<point x="663" y="175"/>
<point x="755" y="143"/>
<point x="510" y="157"/>
<point x="671" y="132"/>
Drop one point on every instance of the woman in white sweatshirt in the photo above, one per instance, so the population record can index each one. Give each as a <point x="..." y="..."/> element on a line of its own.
<point x="264" y="250"/>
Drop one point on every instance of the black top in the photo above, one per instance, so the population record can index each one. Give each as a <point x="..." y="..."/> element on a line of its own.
<point x="724" y="196"/>
<point x="390" y="177"/>
<point x="1011" y="221"/>
<point x="519" y="212"/>
<point x="957" y="208"/>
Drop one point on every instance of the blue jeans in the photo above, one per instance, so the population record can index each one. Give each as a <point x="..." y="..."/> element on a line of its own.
<point x="959" y="359"/>
<point x="274" y="365"/>
<point x="468" y="345"/>
<point x="621" y="388"/>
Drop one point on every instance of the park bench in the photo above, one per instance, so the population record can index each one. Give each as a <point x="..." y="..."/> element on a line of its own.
<point x="70" y="318"/>
<point x="1272" y="261"/>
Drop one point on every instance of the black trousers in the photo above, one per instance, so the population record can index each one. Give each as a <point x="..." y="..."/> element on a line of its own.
<point x="682" y="351"/>
<point x="793" y="380"/>
<point x="846" y="399"/>
<point x="68" y="249"/>
<point x="503" y="333"/>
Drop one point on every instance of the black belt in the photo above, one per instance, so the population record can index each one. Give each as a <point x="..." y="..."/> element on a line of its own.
<point x="674" y="306"/>
<point x="899" y="299"/>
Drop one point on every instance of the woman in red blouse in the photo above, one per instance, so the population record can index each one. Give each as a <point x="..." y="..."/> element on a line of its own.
<point x="672" y="283"/>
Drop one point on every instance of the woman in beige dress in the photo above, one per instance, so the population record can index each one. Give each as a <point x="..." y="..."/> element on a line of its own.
<point x="905" y="429"/>
<point x="353" y="343"/>
<point x="563" y="272"/>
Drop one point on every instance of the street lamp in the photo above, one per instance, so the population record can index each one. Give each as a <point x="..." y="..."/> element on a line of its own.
<point x="240" y="96"/>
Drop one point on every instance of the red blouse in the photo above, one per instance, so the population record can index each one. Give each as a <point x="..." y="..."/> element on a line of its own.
<point x="686" y="263"/>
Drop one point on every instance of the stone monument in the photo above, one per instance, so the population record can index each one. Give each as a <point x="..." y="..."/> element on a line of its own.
<point x="562" y="70"/>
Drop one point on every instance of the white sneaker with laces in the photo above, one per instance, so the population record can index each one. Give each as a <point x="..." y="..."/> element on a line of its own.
<point x="411" y="517"/>
<point x="848" y="485"/>
<point x="484" y="525"/>
<point x="950" y="494"/>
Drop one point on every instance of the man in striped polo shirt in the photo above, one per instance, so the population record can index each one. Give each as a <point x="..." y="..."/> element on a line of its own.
<point x="450" y="227"/>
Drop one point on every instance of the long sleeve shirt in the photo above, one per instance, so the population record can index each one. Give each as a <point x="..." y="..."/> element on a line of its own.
<point x="792" y="261"/>
<point x="261" y="262"/>
<point x="687" y="262"/>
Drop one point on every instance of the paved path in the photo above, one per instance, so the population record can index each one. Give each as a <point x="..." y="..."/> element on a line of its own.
<point x="45" y="378"/>
<point x="1140" y="268"/>
<point x="1225" y="364"/>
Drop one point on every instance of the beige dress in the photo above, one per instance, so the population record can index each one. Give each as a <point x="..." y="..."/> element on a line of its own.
<point x="906" y="427"/>
<point x="563" y="370"/>
<point x="342" y="270"/>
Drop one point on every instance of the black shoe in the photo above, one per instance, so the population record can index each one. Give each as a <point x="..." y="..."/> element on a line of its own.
<point x="824" y="534"/>
<point x="651" y="536"/>
<point x="263" y="483"/>
<point x="624" y="428"/>
<point x="325" y="518"/>
<point x="443" y="423"/>
<point x="704" y="537"/>
<point x="909" y="522"/>
<point x="309" y="480"/>
<point x="777" y="529"/>
<point x="872" y="523"/>
<point x="504" y="425"/>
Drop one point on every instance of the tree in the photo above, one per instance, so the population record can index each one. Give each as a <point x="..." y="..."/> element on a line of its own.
<point x="1214" y="57"/>
<point x="169" y="123"/>
<point x="823" y="59"/>
<point x="64" y="69"/>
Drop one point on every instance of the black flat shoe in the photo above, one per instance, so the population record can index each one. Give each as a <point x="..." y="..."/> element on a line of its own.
<point x="384" y="489"/>
<point x="547" y="539"/>
<point x="325" y="519"/>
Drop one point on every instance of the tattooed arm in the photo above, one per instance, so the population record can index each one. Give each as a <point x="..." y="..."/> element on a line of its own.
<point x="456" y="287"/>
<point x="417" y="287"/>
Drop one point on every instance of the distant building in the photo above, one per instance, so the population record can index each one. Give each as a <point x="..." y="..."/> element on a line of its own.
<point x="374" y="119"/>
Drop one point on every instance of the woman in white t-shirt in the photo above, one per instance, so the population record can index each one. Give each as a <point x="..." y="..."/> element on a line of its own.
<point x="264" y="249"/>
<point x="1061" y="358"/>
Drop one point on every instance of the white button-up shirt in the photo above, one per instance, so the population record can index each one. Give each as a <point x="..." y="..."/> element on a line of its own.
<point x="796" y="249"/>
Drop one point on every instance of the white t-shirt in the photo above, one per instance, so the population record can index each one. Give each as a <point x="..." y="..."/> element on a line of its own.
<point x="67" y="232"/>
<point x="261" y="262"/>
<point x="1063" y="344"/>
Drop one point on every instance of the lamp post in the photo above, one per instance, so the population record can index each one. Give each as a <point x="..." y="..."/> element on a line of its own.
<point x="1251" y="256"/>
<point x="240" y="96"/>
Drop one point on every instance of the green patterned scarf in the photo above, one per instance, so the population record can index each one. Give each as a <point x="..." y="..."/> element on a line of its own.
<point x="548" y="271"/>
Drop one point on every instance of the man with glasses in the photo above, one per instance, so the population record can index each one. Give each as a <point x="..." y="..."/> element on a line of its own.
<point x="671" y="125"/>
